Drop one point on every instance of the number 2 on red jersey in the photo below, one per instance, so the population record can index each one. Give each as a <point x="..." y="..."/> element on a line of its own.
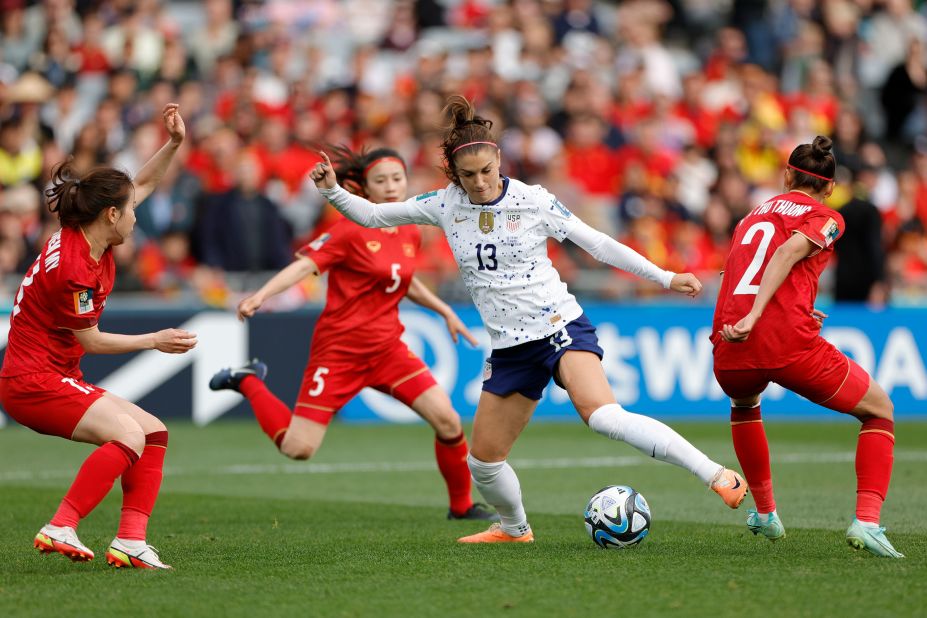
<point x="767" y="229"/>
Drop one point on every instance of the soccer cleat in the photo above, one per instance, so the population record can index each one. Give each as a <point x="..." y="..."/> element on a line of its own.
<point x="229" y="378"/>
<point x="495" y="534"/>
<point x="871" y="537"/>
<point x="477" y="510"/>
<point x="772" y="528"/>
<point x="133" y="554"/>
<point x="63" y="540"/>
<point x="730" y="486"/>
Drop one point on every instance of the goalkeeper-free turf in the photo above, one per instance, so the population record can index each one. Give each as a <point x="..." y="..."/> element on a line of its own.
<point x="361" y="531"/>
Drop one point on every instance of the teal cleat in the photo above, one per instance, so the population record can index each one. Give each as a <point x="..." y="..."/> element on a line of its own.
<point x="871" y="537"/>
<point x="772" y="528"/>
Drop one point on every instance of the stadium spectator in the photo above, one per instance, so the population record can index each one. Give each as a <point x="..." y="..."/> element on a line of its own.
<point x="741" y="81"/>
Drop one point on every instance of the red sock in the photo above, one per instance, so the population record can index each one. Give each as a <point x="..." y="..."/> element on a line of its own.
<point x="94" y="480"/>
<point x="140" y="486"/>
<point x="753" y="454"/>
<point x="273" y="415"/>
<point x="452" y="462"/>
<point x="873" y="467"/>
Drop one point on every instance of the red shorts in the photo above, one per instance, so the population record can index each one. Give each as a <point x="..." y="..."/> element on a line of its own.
<point x="332" y="380"/>
<point x="824" y="375"/>
<point x="48" y="403"/>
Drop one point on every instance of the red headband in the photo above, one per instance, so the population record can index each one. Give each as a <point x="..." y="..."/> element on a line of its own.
<point x="493" y="144"/>
<point x="798" y="169"/>
<point x="381" y="160"/>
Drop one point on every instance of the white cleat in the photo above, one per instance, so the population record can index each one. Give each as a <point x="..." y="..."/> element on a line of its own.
<point x="134" y="555"/>
<point x="61" y="539"/>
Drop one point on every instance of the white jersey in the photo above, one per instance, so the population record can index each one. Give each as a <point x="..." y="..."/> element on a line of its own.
<point x="501" y="250"/>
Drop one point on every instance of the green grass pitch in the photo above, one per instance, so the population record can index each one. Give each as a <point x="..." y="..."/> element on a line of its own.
<point x="361" y="531"/>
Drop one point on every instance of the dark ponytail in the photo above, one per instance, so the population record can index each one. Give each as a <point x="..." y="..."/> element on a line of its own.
<point x="465" y="132"/>
<point x="813" y="165"/>
<point x="352" y="167"/>
<point x="79" y="200"/>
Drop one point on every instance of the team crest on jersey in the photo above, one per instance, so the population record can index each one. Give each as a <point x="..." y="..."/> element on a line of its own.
<point x="513" y="222"/>
<point x="83" y="302"/>
<point x="830" y="231"/>
<point x="408" y="249"/>
<point x="487" y="370"/>
<point x="487" y="222"/>
<point x="373" y="245"/>
<point x="425" y="196"/>
<point x="316" y="244"/>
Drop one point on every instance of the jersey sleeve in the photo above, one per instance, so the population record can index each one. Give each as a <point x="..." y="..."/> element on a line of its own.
<point x="557" y="218"/>
<point x="75" y="305"/>
<point x="821" y="228"/>
<point x="328" y="248"/>
<point x="424" y="209"/>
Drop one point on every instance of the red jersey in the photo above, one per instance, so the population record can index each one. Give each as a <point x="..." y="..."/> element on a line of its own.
<point x="63" y="291"/>
<point x="369" y="273"/>
<point x="786" y="328"/>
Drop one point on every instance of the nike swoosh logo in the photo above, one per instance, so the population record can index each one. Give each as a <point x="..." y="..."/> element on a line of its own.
<point x="736" y="484"/>
<point x="456" y="220"/>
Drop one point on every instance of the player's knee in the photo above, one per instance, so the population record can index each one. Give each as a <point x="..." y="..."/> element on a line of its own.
<point x="297" y="450"/>
<point x="155" y="425"/>
<point x="447" y="424"/>
<point x="130" y="433"/>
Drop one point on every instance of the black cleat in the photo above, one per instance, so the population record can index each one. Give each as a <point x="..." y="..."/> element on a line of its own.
<point x="229" y="378"/>
<point x="477" y="510"/>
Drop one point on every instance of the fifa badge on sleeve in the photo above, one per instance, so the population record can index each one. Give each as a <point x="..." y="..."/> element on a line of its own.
<point x="830" y="231"/>
<point x="486" y="222"/>
<point x="83" y="302"/>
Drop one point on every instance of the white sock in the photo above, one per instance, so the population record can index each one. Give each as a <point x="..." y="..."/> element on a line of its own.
<point x="654" y="439"/>
<point x="499" y="486"/>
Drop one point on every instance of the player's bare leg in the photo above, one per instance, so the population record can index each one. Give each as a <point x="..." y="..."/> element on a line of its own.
<point x="497" y="424"/>
<point x="303" y="438"/>
<point x="582" y="376"/>
<point x="874" y="458"/>
<point x="435" y="407"/>
<point x="120" y="439"/>
<point x="752" y="450"/>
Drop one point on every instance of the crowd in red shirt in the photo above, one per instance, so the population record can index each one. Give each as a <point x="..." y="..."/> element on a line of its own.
<point x="660" y="127"/>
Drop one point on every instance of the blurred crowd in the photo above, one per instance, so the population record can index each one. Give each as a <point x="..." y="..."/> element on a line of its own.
<point x="661" y="122"/>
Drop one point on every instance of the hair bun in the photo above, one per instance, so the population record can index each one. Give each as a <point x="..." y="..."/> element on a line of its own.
<point x="821" y="146"/>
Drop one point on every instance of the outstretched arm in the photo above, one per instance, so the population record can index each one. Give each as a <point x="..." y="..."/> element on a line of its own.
<point x="609" y="251"/>
<point x="282" y="281"/>
<point x="420" y="295"/>
<point x="362" y="211"/>
<point x="780" y="265"/>
<point x="170" y="340"/>
<point x="151" y="173"/>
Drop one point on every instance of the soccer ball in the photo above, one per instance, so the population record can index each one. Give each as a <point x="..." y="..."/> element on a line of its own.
<point x="617" y="517"/>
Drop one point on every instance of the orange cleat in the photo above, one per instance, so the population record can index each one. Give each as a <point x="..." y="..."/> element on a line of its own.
<point x="495" y="534"/>
<point x="63" y="540"/>
<point x="730" y="486"/>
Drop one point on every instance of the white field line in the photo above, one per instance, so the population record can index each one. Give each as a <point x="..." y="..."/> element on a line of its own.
<point x="16" y="476"/>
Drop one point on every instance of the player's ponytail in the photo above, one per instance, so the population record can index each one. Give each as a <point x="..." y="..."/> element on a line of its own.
<point x="79" y="200"/>
<point x="465" y="132"/>
<point x="813" y="165"/>
<point x="352" y="167"/>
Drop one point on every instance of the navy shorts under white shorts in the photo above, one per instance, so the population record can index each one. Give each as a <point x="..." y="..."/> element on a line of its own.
<point x="528" y="368"/>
